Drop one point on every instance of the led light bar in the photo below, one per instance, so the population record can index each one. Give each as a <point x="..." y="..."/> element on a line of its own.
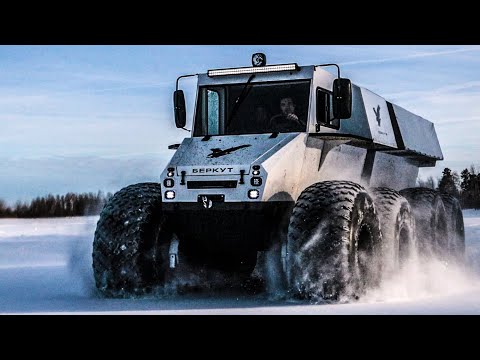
<point x="253" y="70"/>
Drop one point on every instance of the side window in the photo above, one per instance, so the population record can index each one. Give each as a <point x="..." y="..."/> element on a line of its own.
<point x="213" y="112"/>
<point x="209" y="113"/>
<point x="325" y="109"/>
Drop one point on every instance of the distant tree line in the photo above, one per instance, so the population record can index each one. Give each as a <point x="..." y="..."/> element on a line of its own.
<point x="70" y="204"/>
<point x="465" y="187"/>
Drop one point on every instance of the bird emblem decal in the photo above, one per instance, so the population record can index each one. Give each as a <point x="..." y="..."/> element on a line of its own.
<point x="377" y="114"/>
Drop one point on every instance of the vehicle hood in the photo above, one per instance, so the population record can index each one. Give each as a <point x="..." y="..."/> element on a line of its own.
<point x="235" y="151"/>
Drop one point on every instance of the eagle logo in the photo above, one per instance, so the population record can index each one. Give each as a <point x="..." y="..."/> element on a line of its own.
<point x="219" y="152"/>
<point x="377" y="114"/>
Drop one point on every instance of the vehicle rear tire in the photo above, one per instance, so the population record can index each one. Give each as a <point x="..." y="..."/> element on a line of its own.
<point x="130" y="247"/>
<point x="455" y="226"/>
<point x="430" y="221"/>
<point x="397" y="225"/>
<point x="333" y="242"/>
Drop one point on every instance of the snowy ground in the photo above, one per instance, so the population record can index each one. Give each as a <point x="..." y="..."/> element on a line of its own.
<point x="45" y="268"/>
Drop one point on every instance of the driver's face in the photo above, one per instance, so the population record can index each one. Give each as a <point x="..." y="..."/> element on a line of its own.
<point x="287" y="106"/>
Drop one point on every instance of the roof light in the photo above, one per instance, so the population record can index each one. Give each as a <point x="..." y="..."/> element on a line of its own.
<point x="259" y="59"/>
<point x="253" y="70"/>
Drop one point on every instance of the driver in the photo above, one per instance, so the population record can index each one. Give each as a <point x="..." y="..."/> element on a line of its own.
<point x="287" y="120"/>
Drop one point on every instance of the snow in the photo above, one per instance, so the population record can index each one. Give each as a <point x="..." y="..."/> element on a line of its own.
<point x="45" y="268"/>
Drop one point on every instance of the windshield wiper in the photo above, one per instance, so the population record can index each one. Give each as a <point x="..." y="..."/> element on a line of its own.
<point x="239" y="100"/>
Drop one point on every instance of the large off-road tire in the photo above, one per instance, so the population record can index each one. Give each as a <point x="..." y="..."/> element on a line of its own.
<point x="397" y="225"/>
<point x="455" y="227"/>
<point x="430" y="221"/>
<point x="333" y="241"/>
<point x="130" y="247"/>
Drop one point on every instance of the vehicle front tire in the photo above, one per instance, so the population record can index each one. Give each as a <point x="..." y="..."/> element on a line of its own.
<point x="130" y="247"/>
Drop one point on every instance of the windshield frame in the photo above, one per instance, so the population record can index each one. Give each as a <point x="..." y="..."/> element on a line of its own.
<point x="226" y="106"/>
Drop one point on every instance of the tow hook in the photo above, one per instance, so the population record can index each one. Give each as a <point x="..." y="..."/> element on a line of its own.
<point x="242" y="174"/>
<point x="173" y="252"/>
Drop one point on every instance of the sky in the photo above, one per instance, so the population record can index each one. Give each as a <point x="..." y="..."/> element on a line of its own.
<point x="89" y="118"/>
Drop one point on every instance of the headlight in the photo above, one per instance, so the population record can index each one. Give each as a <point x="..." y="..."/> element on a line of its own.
<point x="256" y="181"/>
<point x="253" y="194"/>
<point x="170" y="194"/>
<point x="168" y="183"/>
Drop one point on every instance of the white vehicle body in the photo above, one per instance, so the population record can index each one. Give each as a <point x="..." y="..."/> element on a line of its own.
<point x="382" y="144"/>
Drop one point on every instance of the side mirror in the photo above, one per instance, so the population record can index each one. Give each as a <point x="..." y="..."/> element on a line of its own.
<point x="342" y="98"/>
<point x="179" y="107"/>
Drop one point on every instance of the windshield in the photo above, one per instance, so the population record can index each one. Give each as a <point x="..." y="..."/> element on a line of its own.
<point x="253" y="108"/>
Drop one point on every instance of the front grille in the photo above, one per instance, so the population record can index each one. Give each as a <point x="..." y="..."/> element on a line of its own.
<point x="221" y="184"/>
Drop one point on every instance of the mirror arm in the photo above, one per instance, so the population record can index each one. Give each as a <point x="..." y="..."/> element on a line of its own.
<point x="338" y="67"/>
<point x="183" y="76"/>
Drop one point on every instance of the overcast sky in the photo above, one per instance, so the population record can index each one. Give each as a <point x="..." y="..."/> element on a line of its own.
<point x="59" y="103"/>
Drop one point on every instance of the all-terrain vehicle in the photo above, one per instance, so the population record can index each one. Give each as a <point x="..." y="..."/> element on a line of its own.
<point x="322" y="201"/>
